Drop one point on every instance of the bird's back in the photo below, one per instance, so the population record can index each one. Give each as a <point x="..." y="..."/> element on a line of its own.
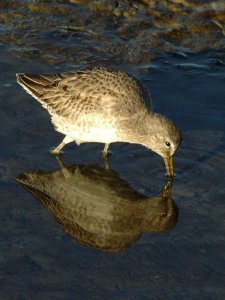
<point x="98" y="90"/>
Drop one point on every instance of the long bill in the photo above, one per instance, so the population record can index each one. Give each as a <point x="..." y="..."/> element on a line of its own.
<point x="168" y="160"/>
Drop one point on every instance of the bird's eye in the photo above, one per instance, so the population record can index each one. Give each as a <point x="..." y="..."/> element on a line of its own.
<point x="163" y="215"/>
<point x="167" y="144"/>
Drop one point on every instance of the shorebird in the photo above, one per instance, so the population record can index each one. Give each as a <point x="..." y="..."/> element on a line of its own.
<point x="103" y="105"/>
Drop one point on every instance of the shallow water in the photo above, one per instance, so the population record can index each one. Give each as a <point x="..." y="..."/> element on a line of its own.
<point x="177" y="50"/>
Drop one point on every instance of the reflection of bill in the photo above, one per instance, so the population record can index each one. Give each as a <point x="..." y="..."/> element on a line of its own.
<point x="98" y="208"/>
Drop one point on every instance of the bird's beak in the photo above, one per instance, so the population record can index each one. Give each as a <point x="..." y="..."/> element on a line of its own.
<point x="168" y="160"/>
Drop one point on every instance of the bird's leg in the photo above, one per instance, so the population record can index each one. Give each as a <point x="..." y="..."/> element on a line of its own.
<point x="105" y="156"/>
<point x="57" y="150"/>
<point x="65" y="141"/>
<point x="105" y="151"/>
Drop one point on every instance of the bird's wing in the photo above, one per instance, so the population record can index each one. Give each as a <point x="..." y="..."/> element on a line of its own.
<point x="62" y="94"/>
<point x="87" y="91"/>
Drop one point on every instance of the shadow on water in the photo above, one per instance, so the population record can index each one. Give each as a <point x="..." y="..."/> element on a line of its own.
<point x="98" y="208"/>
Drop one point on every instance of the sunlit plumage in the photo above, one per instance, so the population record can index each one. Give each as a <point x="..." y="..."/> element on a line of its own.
<point x="103" y="105"/>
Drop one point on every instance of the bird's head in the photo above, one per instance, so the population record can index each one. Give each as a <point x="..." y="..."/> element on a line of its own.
<point x="164" y="139"/>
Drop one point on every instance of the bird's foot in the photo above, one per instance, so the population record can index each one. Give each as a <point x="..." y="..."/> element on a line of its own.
<point x="55" y="152"/>
<point x="58" y="149"/>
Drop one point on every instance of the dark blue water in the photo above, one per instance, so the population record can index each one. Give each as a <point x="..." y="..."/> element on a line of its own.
<point x="37" y="259"/>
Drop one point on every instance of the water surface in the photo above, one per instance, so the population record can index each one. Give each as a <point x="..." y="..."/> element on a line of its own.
<point x="177" y="50"/>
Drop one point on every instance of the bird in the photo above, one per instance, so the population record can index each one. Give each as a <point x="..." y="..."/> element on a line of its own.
<point x="103" y="105"/>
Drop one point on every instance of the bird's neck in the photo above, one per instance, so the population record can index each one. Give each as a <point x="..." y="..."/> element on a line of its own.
<point x="140" y="129"/>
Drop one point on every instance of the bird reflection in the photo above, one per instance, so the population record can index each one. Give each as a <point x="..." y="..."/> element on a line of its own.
<point x="98" y="208"/>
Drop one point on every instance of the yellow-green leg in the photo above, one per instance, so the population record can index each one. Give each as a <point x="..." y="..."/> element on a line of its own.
<point x="105" y="156"/>
<point x="57" y="150"/>
<point x="105" y="151"/>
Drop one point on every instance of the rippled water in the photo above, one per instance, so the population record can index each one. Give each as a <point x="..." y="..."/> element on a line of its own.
<point x="176" y="48"/>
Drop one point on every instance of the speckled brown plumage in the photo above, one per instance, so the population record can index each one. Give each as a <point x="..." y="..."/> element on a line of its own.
<point x="103" y="105"/>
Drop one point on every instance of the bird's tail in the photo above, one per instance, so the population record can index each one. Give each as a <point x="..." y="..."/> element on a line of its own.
<point x="36" y="85"/>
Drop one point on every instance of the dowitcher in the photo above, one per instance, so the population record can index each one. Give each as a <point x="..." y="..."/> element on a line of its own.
<point x="103" y="105"/>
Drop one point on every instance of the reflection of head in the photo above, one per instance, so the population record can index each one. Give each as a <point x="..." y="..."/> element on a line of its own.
<point x="161" y="215"/>
<point x="98" y="208"/>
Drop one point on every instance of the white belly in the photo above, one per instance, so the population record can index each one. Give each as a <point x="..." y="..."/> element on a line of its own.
<point x="87" y="129"/>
